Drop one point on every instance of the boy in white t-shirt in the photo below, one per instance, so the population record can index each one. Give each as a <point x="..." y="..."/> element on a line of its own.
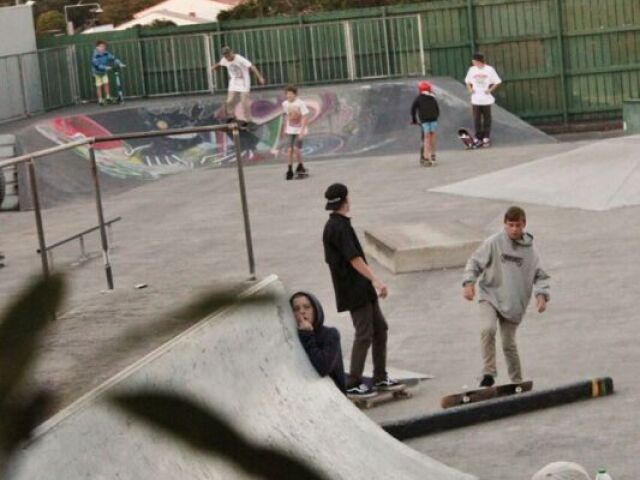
<point x="239" y="82"/>
<point x="296" y="117"/>
<point x="481" y="81"/>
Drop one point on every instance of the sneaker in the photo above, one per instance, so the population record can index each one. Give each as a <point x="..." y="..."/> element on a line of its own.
<point x="360" y="391"/>
<point x="300" y="169"/>
<point x="289" y="174"/>
<point x="487" y="381"/>
<point x="388" y="384"/>
<point x="486" y="142"/>
<point x="433" y="159"/>
<point x="425" y="162"/>
<point x="101" y="103"/>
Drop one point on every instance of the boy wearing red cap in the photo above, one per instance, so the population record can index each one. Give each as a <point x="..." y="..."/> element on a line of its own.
<point x="425" y="112"/>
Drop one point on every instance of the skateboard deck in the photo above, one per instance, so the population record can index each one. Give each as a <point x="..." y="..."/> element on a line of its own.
<point x="301" y="176"/>
<point x="383" y="396"/>
<point x="486" y="393"/>
<point x="466" y="138"/>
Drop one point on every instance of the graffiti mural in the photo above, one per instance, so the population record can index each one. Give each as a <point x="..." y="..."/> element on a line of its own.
<point x="348" y="123"/>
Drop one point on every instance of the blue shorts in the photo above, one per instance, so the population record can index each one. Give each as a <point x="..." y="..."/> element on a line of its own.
<point x="429" y="127"/>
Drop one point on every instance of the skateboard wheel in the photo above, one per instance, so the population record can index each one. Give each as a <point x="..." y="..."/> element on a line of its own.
<point x="466" y="399"/>
<point x="518" y="389"/>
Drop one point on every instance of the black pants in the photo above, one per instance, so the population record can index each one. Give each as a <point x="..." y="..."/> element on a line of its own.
<point x="482" y="121"/>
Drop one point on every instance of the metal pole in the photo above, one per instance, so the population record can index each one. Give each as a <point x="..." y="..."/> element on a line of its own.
<point x="472" y="33"/>
<point x="175" y="65"/>
<point x="103" y="231"/>
<point x="36" y="207"/>
<point x="23" y="90"/>
<point x="245" y="207"/>
<point x="209" y="60"/>
<point x="563" y="78"/>
<point x="423" y="66"/>
<point x="350" y="54"/>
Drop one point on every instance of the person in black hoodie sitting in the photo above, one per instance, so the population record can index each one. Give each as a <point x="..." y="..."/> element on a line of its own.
<point x="321" y="343"/>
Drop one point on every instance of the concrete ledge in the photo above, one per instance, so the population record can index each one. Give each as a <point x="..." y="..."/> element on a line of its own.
<point x="412" y="248"/>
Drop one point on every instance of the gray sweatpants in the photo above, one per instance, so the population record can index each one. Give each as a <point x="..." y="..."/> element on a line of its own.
<point x="490" y="319"/>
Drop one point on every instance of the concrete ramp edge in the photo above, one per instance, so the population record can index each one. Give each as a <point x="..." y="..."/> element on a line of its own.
<point x="245" y="362"/>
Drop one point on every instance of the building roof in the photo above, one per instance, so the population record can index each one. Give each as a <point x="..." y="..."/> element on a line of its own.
<point x="159" y="6"/>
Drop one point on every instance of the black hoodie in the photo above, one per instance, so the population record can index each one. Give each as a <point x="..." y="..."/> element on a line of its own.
<point x="425" y="109"/>
<point x="322" y="345"/>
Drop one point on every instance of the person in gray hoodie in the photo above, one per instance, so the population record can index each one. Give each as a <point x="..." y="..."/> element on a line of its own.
<point x="508" y="268"/>
<point x="321" y="343"/>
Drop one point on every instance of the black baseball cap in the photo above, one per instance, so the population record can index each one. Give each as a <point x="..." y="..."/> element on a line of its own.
<point x="335" y="195"/>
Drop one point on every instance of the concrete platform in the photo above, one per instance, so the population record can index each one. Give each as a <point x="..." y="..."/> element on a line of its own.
<point x="599" y="176"/>
<point x="413" y="248"/>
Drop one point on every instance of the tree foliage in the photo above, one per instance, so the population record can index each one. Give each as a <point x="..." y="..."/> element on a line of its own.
<point x="160" y="23"/>
<point x="268" y="8"/>
<point x="50" y="21"/>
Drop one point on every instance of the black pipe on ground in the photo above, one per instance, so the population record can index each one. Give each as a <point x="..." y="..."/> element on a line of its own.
<point x="498" y="408"/>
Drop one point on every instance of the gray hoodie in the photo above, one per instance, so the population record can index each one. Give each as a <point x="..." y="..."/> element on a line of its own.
<point x="508" y="271"/>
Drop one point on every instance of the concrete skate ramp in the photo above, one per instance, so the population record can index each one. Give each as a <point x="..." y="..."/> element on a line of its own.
<point x="247" y="363"/>
<point x="599" y="176"/>
<point x="346" y="120"/>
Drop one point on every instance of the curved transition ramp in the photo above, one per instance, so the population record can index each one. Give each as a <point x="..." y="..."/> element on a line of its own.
<point x="346" y="120"/>
<point x="246" y="363"/>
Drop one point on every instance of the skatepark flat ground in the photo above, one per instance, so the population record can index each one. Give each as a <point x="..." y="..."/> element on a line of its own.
<point x="185" y="231"/>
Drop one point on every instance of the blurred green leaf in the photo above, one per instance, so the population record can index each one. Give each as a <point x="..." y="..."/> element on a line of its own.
<point x="206" y="431"/>
<point x="20" y="418"/>
<point x="21" y="327"/>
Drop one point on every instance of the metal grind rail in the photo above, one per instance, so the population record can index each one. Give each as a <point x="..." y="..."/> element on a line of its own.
<point x="80" y="237"/>
<point x="29" y="160"/>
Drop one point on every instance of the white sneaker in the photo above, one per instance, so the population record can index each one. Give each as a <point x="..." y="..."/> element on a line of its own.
<point x="360" y="391"/>
<point x="388" y="384"/>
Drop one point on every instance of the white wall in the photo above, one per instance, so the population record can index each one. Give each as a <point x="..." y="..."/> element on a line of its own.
<point x="17" y="30"/>
<point x="206" y="9"/>
<point x="20" y="84"/>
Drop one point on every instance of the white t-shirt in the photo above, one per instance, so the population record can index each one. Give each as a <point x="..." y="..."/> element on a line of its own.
<point x="481" y="79"/>
<point x="238" y="70"/>
<point x="294" y="111"/>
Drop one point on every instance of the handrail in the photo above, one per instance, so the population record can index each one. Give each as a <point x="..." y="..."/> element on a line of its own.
<point x="81" y="234"/>
<point x="28" y="159"/>
<point x="168" y="131"/>
<point x="42" y="153"/>
<point x="108" y="138"/>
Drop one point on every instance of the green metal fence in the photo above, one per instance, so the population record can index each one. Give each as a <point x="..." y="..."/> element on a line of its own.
<point x="561" y="60"/>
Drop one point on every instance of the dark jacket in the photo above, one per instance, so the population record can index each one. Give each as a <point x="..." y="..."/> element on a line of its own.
<point x="323" y="345"/>
<point x="426" y="107"/>
<point x="341" y="245"/>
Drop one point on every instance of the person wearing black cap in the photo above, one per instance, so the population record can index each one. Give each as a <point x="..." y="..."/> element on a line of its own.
<point x="357" y="290"/>
<point x="481" y="81"/>
<point x="321" y="343"/>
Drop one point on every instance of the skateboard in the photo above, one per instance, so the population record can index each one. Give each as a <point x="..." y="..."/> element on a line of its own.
<point x="301" y="175"/>
<point x="467" y="139"/>
<point x="486" y="393"/>
<point x="382" y="396"/>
